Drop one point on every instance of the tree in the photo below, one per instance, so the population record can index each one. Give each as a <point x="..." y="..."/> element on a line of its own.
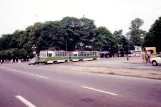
<point x="77" y="31"/>
<point x="153" y="37"/>
<point x="66" y="34"/>
<point x="105" y="40"/>
<point x="123" y="43"/>
<point x="118" y="34"/>
<point x="4" y="41"/>
<point x="135" y="32"/>
<point x="136" y="24"/>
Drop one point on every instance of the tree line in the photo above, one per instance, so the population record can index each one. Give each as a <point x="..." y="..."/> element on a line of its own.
<point x="153" y="37"/>
<point x="71" y="34"/>
<point x="68" y="34"/>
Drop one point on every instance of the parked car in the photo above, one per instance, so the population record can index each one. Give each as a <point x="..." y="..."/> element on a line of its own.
<point x="131" y="55"/>
<point x="137" y="53"/>
<point x="155" y="61"/>
<point x="34" y="61"/>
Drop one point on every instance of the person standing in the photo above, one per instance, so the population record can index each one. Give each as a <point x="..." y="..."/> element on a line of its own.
<point x="127" y="57"/>
<point x="148" y="57"/>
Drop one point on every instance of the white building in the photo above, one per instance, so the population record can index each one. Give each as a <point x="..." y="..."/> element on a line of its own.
<point x="137" y="49"/>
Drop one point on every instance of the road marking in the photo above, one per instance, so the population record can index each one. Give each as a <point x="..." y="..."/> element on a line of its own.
<point x="41" y="76"/>
<point x="99" y="90"/>
<point x="25" y="101"/>
<point x="26" y="73"/>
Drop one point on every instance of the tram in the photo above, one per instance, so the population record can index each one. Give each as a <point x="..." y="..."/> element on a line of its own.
<point x="48" y="56"/>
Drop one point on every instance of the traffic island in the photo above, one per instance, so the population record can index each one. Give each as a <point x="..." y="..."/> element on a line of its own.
<point x="149" y="74"/>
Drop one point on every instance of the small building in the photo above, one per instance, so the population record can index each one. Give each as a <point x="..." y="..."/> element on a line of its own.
<point x="104" y="54"/>
<point x="138" y="48"/>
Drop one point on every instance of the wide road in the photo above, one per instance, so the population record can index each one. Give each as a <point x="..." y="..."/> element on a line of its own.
<point x="31" y="86"/>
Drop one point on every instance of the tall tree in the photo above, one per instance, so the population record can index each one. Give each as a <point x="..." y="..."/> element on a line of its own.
<point x="78" y="31"/>
<point x="153" y="37"/>
<point x="123" y="42"/>
<point x="135" y="32"/>
<point x="118" y="34"/>
<point x="4" y="41"/>
<point x="105" y="40"/>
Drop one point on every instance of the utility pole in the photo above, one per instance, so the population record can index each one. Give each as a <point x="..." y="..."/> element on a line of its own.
<point x="66" y="45"/>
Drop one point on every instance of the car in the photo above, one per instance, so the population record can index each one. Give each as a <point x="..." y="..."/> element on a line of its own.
<point x="34" y="61"/>
<point x="137" y="53"/>
<point x="131" y="55"/>
<point x="156" y="60"/>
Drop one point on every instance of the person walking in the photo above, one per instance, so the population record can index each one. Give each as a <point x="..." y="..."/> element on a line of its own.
<point x="12" y="61"/>
<point x="127" y="57"/>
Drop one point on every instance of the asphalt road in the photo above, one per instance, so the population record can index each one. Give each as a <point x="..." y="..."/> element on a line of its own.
<point x="31" y="86"/>
<point x="117" y="62"/>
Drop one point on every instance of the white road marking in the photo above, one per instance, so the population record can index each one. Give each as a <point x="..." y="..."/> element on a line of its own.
<point x="25" y="101"/>
<point x="41" y="76"/>
<point x="26" y="73"/>
<point x="99" y="90"/>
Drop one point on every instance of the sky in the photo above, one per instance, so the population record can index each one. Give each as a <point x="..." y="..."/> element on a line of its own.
<point x="113" y="14"/>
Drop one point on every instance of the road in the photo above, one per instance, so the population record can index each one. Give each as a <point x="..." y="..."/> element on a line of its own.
<point x="31" y="86"/>
<point x="119" y="62"/>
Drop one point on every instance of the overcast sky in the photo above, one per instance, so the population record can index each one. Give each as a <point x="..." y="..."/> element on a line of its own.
<point x="113" y="14"/>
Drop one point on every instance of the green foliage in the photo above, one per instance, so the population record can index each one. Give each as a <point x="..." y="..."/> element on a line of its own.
<point x="136" y="24"/>
<point x="123" y="43"/>
<point x="105" y="40"/>
<point x="135" y="31"/>
<point x="67" y="33"/>
<point x="153" y="37"/>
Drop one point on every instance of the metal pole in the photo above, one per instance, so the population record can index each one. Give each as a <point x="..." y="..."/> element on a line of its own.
<point x="66" y="44"/>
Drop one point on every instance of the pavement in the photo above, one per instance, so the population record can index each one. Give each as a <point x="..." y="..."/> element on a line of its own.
<point x="22" y="85"/>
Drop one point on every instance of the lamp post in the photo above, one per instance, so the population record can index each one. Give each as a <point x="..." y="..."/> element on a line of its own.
<point x="89" y="47"/>
<point x="142" y="37"/>
<point x="34" y="50"/>
<point x="81" y="44"/>
<point x="66" y="45"/>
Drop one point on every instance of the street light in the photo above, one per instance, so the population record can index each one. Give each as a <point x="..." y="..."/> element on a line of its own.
<point x="66" y="45"/>
<point x="142" y="36"/>
<point x="81" y="44"/>
<point x="88" y="46"/>
<point x="34" y="49"/>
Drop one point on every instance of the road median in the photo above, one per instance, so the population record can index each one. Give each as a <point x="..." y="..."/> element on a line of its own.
<point x="110" y="71"/>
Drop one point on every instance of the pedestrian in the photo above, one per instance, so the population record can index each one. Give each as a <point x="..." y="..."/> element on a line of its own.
<point x="12" y="61"/>
<point x="127" y="57"/>
<point x="1" y="62"/>
<point x="148" y="57"/>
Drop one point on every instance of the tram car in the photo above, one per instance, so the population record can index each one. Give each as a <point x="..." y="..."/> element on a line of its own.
<point x="48" y="56"/>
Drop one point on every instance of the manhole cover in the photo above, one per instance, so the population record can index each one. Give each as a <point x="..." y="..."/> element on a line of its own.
<point x="87" y="100"/>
